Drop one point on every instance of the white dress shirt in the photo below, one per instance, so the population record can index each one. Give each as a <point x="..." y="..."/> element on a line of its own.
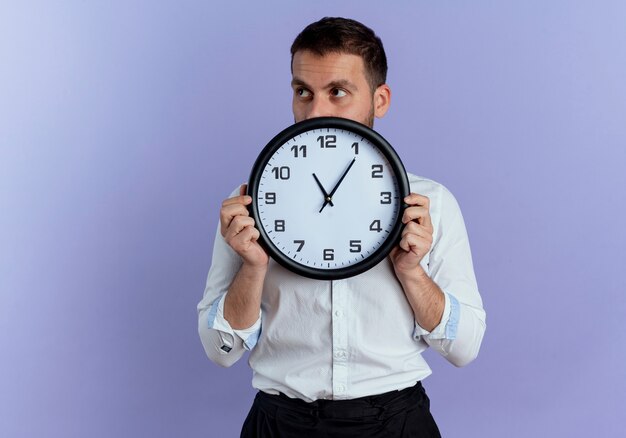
<point x="349" y="338"/>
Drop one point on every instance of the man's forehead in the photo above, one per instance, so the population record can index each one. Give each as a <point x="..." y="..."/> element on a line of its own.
<point x="308" y="64"/>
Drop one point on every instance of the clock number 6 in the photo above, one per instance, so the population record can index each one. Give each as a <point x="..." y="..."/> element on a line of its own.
<point x="329" y="254"/>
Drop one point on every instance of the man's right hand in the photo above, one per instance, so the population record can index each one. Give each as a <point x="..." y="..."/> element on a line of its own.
<point x="237" y="228"/>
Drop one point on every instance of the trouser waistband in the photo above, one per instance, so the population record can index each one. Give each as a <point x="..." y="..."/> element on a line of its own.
<point x="379" y="405"/>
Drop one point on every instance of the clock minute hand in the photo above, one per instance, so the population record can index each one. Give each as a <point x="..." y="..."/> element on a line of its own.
<point x="330" y="196"/>
<point x="326" y="195"/>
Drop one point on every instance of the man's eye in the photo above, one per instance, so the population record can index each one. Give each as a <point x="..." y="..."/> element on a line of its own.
<point x="338" y="92"/>
<point x="303" y="92"/>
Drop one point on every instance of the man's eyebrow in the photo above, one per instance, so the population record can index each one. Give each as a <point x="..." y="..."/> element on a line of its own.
<point x="340" y="83"/>
<point x="298" y="82"/>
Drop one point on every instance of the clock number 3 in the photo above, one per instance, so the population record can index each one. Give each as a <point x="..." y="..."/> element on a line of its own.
<point x="385" y="197"/>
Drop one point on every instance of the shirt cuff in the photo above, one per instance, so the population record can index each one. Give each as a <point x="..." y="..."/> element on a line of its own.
<point x="216" y="321"/>
<point x="448" y="325"/>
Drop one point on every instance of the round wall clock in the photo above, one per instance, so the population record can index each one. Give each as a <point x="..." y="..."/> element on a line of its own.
<point x="328" y="197"/>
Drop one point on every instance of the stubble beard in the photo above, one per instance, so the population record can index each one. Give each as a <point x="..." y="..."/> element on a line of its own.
<point x="370" y="117"/>
<point x="369" y="121"/>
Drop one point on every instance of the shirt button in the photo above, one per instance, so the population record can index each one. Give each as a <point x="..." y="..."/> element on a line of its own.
<point x="338" y="313"/>
<point x="340" y="354"/>
<point x="340" y="388"/>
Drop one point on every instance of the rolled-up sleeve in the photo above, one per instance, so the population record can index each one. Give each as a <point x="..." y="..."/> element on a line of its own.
<point x="460" y="332"/>
<point x="222" y="344"/>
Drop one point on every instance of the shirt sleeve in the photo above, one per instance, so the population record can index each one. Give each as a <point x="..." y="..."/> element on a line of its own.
<point x="216" y="321"/>
<point x="461" y="329"/>
<point x="222" y="344"/>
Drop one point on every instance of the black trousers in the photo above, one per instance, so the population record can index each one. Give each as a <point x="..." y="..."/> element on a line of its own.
<point x="404" y="413"/>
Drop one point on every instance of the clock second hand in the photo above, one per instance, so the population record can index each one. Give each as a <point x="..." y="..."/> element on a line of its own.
<point x="326" y="195"/>
<point x="330" y="196"/>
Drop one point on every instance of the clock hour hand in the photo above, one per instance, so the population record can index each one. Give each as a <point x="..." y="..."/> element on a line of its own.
<point x="326" y="195"/>
<point x="329" y="198"/>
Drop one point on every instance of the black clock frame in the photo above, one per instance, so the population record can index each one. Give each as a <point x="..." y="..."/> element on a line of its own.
<point x="319" y="123"/>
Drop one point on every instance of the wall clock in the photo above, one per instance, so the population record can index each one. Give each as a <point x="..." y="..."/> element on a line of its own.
<point x="328" y="198"/>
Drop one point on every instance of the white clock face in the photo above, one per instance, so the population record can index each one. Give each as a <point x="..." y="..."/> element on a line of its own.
<point x="328" y="198"/>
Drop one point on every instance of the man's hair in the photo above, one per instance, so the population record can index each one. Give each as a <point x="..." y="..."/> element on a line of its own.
<point x="343" y="35"/>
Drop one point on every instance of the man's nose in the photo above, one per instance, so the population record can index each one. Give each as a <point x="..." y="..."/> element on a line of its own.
<point x="319" y="108"/>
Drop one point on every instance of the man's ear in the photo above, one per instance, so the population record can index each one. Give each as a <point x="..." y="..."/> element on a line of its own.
<point x="382" y="100"/>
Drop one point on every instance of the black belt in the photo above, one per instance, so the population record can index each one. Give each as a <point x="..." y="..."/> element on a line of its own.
<point x="381" y="405"/>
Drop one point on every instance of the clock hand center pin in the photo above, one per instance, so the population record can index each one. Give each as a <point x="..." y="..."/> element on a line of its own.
<point x="327" y="197"/>
<point x="330" y="196"/>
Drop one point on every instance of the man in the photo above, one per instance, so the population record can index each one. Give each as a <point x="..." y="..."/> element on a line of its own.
<point x="342" y="358"/>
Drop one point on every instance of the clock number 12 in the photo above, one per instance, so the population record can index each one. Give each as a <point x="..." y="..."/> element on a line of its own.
<point x="328" y="141"/>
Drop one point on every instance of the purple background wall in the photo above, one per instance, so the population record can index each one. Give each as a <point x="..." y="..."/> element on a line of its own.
<point x="124" y="124"/>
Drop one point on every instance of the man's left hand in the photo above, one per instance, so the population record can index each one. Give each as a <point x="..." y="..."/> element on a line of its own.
<point x="417" y="236"/>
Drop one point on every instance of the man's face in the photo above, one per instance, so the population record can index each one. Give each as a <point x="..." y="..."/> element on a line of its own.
<point x="333" y="85"/>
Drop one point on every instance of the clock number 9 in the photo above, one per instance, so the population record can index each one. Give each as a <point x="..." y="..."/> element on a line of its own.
<point x="282" y="172"/>
<point x="328" y="141"/>
<point x="270" y="198"/>
<point x="329" y="254"/>
<point x="377" y="170"/>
